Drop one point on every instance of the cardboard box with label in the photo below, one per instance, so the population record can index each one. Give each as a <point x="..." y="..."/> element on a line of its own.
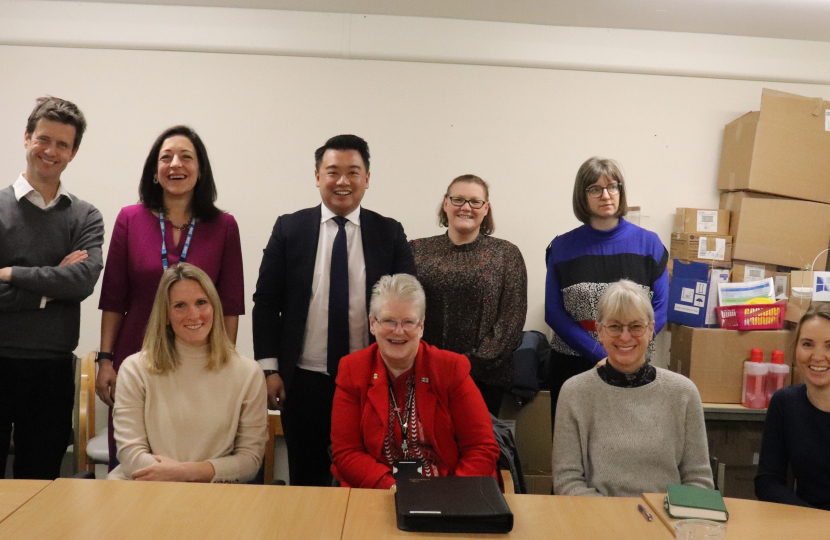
<point x="704" y="248"/>
<point x="700" y="221"/>
<point x="781" y="149"/>
<point x="745" y="271"/>
<point x="774" y="230"/>
<point x="713" y="358"/>
<point x="693" y="293"/>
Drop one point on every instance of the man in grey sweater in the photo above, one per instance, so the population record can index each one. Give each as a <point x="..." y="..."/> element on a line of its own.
<point x="50" y="259"/>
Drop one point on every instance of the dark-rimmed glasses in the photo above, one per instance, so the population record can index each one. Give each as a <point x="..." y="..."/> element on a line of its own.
<point x="459" y="201"/>
<point x="596" y="191"/>
<point x="636" y="329"/>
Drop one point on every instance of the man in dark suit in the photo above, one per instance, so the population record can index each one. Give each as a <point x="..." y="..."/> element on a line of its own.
<point x="312" y="299"/>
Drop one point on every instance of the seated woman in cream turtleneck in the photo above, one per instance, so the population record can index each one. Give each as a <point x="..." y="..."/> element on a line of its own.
<point x="628" y="428"/>
<point x="188" y="407"/>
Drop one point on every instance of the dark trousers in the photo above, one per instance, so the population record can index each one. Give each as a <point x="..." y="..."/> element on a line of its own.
<point x="306" y="422"/>
<point x="36" y="397"/>
<point x="492" y="395"/>
<point x="562" y="368"/>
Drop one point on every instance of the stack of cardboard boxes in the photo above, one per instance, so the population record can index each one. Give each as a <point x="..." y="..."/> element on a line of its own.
<point x="775" y="177"/>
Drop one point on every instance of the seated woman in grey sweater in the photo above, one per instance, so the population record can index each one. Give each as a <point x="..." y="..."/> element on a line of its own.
<point x="628" y="428"/>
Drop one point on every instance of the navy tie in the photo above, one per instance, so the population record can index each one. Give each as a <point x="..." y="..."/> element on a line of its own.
<point x="338" y="339"/>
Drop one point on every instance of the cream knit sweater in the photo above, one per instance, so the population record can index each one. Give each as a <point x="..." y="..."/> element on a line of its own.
<point x="623" y="442"/>
<point x="191" y="414"/>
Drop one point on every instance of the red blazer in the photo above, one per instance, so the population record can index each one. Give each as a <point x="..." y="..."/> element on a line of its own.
<point x="450" y="407"/>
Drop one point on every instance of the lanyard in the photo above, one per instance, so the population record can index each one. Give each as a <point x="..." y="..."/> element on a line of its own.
<point x="410" y="402"/>
<point x="183" y="257"/>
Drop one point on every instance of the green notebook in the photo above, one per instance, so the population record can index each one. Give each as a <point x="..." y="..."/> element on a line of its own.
<point x="684" y="502"/>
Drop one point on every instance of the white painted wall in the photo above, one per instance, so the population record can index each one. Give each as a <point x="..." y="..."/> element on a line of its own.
<point x="443" y="101"/>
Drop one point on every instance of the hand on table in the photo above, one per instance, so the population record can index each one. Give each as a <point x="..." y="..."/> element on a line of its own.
<point x="170" y="470"/>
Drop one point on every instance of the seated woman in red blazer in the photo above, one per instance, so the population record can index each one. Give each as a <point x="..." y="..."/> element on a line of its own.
<point x="400" y="398"/>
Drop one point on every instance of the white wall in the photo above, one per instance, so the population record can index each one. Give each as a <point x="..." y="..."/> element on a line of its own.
<point x="526" y="130"/>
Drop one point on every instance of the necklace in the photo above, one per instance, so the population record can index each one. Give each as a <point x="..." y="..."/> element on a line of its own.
<point x="182" y="228"/>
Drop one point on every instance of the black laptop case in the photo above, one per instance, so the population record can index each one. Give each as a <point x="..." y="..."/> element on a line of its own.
<point x="472" y="504"/>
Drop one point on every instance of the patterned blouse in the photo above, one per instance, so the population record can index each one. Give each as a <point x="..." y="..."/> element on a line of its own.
<point x="476" y="301"/>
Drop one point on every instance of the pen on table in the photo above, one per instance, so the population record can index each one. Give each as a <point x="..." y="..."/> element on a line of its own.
<point x="643" y="511"/>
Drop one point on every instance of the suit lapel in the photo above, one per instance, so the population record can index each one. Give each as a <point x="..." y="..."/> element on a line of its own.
<point x="307" y="248"/>
<point x="424" y="396"/>
<point x="369" y="237"/>
<point x="378" y="396"/>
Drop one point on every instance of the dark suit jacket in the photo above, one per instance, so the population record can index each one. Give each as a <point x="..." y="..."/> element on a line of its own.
<point x="451" y="412"/>
<point x="283" y="290"/>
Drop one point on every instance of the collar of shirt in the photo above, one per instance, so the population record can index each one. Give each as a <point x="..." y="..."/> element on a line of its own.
<point x="326" y="214"/>
<point x="22" y="188"/>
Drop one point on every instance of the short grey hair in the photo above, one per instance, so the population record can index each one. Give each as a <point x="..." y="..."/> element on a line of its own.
<point x="402" y="287"/>
<point x="624" y="300"/>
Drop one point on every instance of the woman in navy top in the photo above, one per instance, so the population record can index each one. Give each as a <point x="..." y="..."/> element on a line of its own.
<point x="585" y="261"/>
<point x="797" y="429"/>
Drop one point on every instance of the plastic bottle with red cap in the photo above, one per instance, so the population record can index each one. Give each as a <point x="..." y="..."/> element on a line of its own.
<point x="753" y="395"/>
<point x="777" y="374"/>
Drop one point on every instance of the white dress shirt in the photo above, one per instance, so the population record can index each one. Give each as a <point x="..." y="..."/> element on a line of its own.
<point x="315" y="342"/>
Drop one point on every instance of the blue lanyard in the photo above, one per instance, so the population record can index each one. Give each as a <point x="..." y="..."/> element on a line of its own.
<point x="164" y="244"/>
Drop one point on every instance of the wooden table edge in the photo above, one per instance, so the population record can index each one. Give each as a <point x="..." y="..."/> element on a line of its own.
<point x="35" y="494"/>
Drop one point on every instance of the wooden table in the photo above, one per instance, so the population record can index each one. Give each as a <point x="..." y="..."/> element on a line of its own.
<point x="755" y="520"/>
<point x="90" y="509"/>
<point x="15" y="493"/>
<point x="371" y="515"/>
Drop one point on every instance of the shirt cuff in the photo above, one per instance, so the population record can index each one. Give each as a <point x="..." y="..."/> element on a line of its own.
<point x="43" y="301"/>
<point x="268" y="363"/>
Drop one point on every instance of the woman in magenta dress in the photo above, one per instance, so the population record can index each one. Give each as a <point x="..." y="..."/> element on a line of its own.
<point x="178" y="198"/>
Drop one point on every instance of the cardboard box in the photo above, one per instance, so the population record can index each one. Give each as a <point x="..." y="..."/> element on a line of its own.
<point x="703" y="248"/>
<point x="693" y="293"/>
<point x="539" y="484"/>
<point x="782" y="149"/>
<point x="740" y="482"/>
<point x="743" y="271"/>
<point x="714" y="358"/>
<point x="780" y="231"/>
<point x="701" y="221"/>
<point x="533" y="436"/>
<point x="735" y="442"/>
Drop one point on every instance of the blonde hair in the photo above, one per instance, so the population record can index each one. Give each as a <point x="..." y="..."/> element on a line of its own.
<point x="402" y="287"/>
<point x="624" y="300"/>
<point x="159" y="348"/>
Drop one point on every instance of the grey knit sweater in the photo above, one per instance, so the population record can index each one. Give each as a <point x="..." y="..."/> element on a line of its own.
<point x="34" y="242"/>
<point x="623" y="442"/>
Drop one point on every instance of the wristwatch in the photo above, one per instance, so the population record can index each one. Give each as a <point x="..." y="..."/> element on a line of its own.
<point x="103" y="356"/>
<point x="269" y="372"/>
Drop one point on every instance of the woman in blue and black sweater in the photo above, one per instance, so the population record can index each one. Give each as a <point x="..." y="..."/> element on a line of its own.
<point x="583" y="262"/>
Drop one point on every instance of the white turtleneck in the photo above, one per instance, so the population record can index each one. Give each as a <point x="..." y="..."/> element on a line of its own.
<point x="191" y="414"/>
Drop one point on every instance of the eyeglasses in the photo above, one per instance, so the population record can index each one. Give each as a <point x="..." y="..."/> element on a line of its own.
<point x="596" y="191"/>
<point x="459" y="201"/>
<point x="392" y="324"/>
<point x="636" y="329"/>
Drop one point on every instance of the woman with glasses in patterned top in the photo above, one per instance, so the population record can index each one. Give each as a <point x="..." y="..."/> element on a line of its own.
<point x="476" y="287"/>
<point x="585" y="261"/>
<point x="401" y="399"/>
<point x="628" y="428"/>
